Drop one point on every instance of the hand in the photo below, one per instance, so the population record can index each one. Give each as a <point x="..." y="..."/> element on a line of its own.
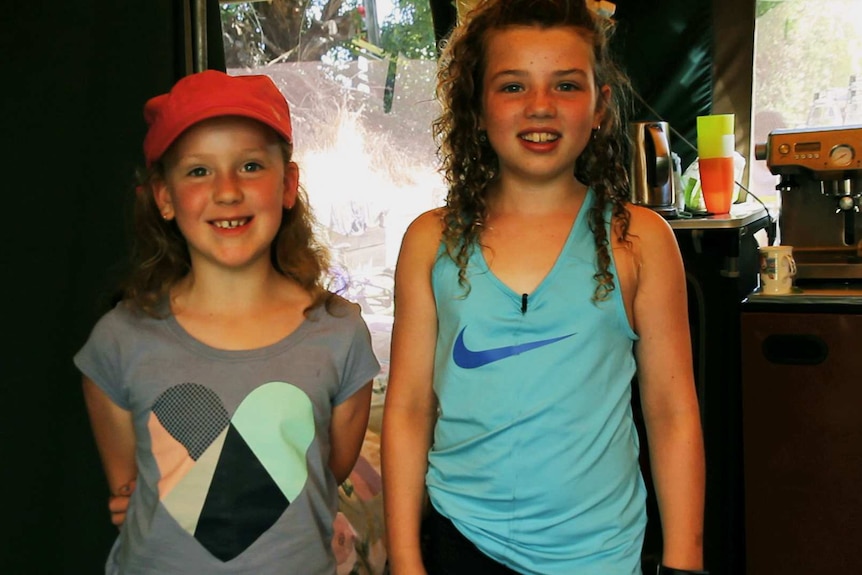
<point x="118" y="503"/>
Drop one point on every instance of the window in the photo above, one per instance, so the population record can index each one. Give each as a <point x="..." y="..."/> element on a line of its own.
<point x="807" y="71"/>
<point x="359" y="76"/>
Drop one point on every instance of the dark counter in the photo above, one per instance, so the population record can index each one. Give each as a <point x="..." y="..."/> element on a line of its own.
<point x="722" y="263"/>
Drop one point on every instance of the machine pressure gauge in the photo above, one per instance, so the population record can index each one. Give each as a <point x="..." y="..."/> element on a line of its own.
<point x="841" y="155"/>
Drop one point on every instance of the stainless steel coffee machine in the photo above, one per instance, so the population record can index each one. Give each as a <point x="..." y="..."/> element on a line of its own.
<point x="821" y="195"/>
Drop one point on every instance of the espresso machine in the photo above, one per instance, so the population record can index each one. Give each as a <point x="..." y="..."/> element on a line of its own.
<point x="802" y="433"/>
<point x="821" y="194"/>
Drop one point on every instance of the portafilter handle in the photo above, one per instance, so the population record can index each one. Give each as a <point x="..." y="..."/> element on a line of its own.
<point x="786" y="183"/>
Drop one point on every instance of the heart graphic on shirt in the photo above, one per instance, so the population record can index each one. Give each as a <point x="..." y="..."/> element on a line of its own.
<point x="227" y="479"/>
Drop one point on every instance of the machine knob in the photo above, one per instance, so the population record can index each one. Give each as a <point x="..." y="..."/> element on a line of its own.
<point x="761" y="151"/>
<point x="846" y="203"/>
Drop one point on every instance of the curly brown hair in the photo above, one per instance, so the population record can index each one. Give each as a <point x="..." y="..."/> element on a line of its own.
<point x="160" y="254"/>
<point x="470" y="164"/>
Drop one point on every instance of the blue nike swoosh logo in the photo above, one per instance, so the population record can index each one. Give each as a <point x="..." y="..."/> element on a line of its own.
<point x="469" y="359"/>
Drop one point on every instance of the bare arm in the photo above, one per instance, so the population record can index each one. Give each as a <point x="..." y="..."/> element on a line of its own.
<point x="346" y="432"/>
<point x="115" y="440"/>
<point x="668" y="394"/>
<point x="410" y="411"/>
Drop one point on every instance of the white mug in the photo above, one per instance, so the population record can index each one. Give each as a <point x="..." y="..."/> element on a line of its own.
<point x="777" y="269"/>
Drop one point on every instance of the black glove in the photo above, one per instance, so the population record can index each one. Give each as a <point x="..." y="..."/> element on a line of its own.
<point x="662" y="570"/>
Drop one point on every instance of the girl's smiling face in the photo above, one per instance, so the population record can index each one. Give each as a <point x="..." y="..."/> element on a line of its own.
<point x="540" y="102"/>
<point x="225" y="183"/>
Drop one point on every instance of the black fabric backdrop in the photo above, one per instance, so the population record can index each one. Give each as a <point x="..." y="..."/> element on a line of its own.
<point x="75" y="78"/>
<point x="666" y="49"/>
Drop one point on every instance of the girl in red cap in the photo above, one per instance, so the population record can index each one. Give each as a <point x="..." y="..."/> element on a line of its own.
<point x="524" y="308"/>
<point x="228" y="391"/>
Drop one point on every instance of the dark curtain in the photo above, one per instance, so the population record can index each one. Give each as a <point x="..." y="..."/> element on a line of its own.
<point x="665" y="47"/>
<point x="733" y="68"/>
<point x="76" y="75"/>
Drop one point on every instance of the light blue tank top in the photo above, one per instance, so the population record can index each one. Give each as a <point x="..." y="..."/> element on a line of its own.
<point x="535" y="453"/>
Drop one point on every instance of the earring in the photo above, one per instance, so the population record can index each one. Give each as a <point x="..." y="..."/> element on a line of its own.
<point x="595" y="132"/>
<point x="483" y="136"/>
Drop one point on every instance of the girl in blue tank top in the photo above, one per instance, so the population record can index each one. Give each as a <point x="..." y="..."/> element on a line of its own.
<point x="524" y="308"/>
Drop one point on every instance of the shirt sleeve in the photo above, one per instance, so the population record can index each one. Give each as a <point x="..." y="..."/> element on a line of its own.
<point x="99" y="359"/>
<point x="360" y="364"/>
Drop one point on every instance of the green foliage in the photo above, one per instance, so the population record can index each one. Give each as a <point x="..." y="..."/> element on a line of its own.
<point x="803" y="47"/>
<point x="259" y="33"/>
<point x="764" y="6"/>
<point x="409" y="30"/>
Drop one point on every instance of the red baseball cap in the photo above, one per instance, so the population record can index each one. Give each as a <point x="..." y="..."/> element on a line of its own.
<point x="210" y="94"/>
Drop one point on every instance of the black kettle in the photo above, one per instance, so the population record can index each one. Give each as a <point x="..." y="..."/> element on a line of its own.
<point x="651" y="168"/>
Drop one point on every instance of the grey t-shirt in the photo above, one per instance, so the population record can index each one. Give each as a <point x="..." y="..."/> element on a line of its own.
<point x="232" y="446"/>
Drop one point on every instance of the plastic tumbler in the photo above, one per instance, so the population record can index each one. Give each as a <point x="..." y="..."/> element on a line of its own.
<point x="715" y="146"/>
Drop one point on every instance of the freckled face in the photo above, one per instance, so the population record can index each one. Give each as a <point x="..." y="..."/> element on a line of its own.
<point x="225" y="183"/>
<point x="539" y="100"/>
